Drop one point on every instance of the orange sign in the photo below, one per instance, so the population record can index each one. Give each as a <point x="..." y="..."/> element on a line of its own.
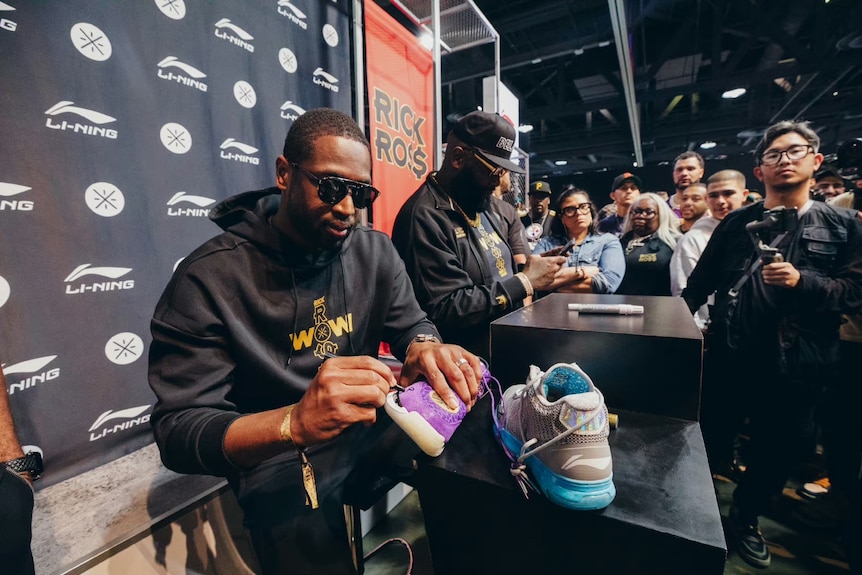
<point x="400" y="79"/>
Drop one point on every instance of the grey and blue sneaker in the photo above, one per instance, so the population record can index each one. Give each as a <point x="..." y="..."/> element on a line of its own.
<point x="557" y="426"/>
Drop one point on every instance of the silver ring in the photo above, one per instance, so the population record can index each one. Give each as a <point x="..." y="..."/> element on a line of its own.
<point x="461" y="362"/>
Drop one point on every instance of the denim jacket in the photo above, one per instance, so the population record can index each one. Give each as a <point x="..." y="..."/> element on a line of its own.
<point x="602" y="250"/>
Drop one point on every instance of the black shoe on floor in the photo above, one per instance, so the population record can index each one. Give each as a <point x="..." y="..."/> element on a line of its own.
<point x="749" y="542"/>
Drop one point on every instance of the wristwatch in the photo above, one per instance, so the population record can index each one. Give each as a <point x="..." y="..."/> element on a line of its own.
<point x="425" y="337"/>
<point x="31" y="463"/>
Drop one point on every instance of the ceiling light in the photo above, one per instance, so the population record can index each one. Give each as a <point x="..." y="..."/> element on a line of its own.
<point x="535" y="61"/>
<point x="561" y="162"/>
<point x="635" y="164"/>
<point x="732" y="94"/>
<point x="708" y="145"/>
<point x="604" y="44"/>
<point x="835" y="93"/>
<point x="525" y="128"/>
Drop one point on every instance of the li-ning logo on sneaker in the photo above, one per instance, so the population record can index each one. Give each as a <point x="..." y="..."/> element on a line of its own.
<point x="325" y="79"/>
<point x="74" y="287"/>
<point x="234" y="34"/>
<point x="244" y="157"/>
<point x="5" y="23"/>
<point x="173" y="9"/>
<point x="34" y="372"/>
<point x="104" y="199"/>
<point x="175" y="138"/>
<point x="91" y="42"/>
<point x="190" y="76"/>
<point x="8" y="190"/>
<point x="290" y="111"/>
<point x="131" y="417"/>
<point x="294" y="14"/>
<point x="182" y="197"/>
<point x="67" y="107"/>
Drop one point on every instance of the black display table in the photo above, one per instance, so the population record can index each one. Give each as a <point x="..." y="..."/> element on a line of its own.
<point x="664" y="519"/>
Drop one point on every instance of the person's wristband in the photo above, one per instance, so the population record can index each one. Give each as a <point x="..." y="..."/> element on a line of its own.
<point x="286" y="437"/>
<point x="528" y="287"/>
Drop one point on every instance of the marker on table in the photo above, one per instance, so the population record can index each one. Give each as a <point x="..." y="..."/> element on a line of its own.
<point x="616" y="308"/>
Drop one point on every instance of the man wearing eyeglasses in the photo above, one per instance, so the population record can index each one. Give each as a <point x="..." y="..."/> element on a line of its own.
<point x="453" y="243"/>
<point x="264" y="353"/>
<point x="773" y="337"/>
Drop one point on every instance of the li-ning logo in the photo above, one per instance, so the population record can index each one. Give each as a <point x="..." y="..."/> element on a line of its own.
<point x="91" y="42"/>
<point x="124" y="348"/>
<point x="5" y="291"/>
<point x="5" y="23"/>
<point x="34" y="372"/>
<point x="104" y="199"/>
<point x="292" y="13"/>
<point x="7" y="191"/>
<point x="244" y="94"/>
<point x="398" y="134"/>
<point x="173" y="9"/>
<point x="190" y="77"/>
<point x="175" y="138"/>
<point x="200" y="201"/>
<point x="74" y="287"/>
<point x="67" y="107"/>
<point x="322" y="331"/>
<point x="325" y="79"/>
<point x="330" y="35"/>
<point x="245" y="157"/>
<point x="234" y="34"/>
<point x="131" y="417"/>
<point x="290" y="111"/>
<point x="287" y="59"/>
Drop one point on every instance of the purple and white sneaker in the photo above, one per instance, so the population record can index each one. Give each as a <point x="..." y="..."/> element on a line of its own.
<point x="425" y="417"/>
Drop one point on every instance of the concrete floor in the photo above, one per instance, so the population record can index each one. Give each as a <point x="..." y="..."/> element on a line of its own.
<point x="794" y="551"/>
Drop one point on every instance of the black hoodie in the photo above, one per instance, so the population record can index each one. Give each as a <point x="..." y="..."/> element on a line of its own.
<point x="247" y="319"/>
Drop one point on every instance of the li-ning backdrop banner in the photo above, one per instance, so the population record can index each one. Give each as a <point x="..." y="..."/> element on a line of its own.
<point x="400" y="78"/>
<point x="122" y="124"/>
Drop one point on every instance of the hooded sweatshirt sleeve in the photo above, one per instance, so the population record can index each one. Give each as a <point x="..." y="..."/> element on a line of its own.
<point x="190" y="371"/>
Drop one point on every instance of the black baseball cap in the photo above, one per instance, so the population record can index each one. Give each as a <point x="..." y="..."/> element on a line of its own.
<point x="826" y="172"/>
<point x="539" y="189"/>
<point x="626" y="177"/>
<point x="490" y="134"/>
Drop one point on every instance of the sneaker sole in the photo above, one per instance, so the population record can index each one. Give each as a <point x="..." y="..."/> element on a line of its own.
<point x="566" y="492"/>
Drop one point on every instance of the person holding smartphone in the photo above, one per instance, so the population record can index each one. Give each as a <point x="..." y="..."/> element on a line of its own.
<point x="594" y="261"/>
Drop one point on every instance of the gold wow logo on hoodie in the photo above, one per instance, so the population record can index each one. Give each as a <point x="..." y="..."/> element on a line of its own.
<point x="321" y="333"/>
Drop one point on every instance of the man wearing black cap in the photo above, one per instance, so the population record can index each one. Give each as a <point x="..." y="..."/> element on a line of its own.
<point x="453" y="243"/>
<point x="624" y="191"/>
<point x="538" y="220"/>
<point x="828" y="184"/>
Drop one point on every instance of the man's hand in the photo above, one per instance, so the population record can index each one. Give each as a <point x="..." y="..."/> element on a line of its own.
<point x="781" y="274"/>
<point x="346" y="390"/>
<point x="543" y="270"/>
<point x="450" y="369"/>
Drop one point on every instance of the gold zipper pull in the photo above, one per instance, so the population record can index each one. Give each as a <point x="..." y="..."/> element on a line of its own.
<point x="308" y="481"/>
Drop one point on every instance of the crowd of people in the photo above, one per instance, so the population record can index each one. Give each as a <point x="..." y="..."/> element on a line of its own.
<point x="264" y="355"/>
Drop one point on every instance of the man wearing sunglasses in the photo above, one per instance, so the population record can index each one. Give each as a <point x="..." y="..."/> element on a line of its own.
<point x="453" y="241"/>
<point x="773" y="339"/>
<point x="264" y="353"/>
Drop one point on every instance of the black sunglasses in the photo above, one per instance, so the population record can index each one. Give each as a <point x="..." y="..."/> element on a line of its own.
<point x="332" y="189"/>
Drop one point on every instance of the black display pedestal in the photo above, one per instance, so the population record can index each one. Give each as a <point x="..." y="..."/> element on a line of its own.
<point x="664" y="518"/>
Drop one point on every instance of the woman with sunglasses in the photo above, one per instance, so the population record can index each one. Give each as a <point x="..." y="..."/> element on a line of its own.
<point x="649" y="237"/>
<point x="595" y="263"/>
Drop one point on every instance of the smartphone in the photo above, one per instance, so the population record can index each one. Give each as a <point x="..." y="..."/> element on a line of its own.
<point x="570" y="245"/>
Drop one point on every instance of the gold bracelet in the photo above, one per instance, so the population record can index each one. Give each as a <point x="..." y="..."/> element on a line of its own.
<point x="285" y="427"/>
<point x="528" y="286"/>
